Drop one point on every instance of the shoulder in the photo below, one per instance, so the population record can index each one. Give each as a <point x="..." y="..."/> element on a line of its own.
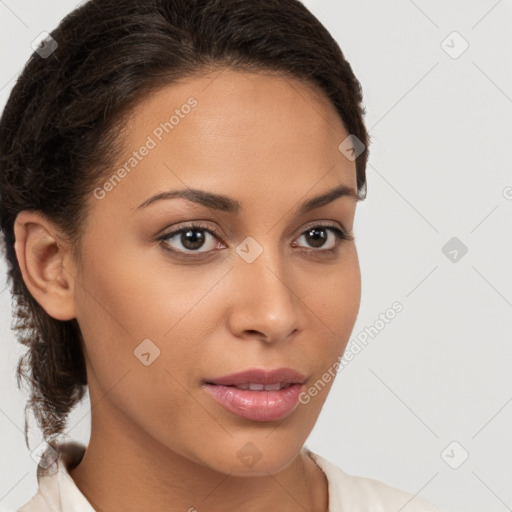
<point x="54" y="484"/>
<point x="352" y="492"/>
<point x="36" y="504"/>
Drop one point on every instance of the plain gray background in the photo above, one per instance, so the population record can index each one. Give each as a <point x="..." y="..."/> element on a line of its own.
<point x="434" y="385"/>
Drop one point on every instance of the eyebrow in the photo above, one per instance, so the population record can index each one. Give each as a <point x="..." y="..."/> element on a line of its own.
<point x="229" y="205"/>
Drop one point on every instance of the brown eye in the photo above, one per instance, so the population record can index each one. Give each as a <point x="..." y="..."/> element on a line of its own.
<point x="190" y="239"/>
<point x="317" y="237"/>
<point x="187" y="241"/>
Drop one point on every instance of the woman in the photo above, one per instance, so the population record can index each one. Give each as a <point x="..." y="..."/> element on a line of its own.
<point x="179" y="182"/>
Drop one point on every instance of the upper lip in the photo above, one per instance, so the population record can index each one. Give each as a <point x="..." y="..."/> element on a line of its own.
<point x="260" y="376"/>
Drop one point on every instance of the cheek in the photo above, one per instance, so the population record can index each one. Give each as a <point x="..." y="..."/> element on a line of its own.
<point x="127" y="300"/>
<point x="335" y="300"/>
<point x="125" y="303"/>
<point x="336" y="296"/>
<point x="134" y="296"/>
<point x="349" y="289"/>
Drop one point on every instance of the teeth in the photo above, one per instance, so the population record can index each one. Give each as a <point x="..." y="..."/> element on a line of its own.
<point x="260" y="387"/>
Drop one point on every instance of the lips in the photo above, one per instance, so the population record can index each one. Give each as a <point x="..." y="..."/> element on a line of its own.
<point x="258" y="394"/>
<point x="254" y="386"/>
<point x="258" y="379"/>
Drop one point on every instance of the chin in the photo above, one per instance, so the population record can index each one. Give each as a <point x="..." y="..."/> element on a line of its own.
<point x="251" y="459"/>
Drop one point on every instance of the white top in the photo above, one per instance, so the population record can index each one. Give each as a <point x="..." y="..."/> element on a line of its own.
<point x="347" y="493"/>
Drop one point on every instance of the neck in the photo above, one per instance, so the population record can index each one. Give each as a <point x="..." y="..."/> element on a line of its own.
<point x="125" y="469"/>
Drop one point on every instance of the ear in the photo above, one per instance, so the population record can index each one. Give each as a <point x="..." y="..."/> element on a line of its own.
<point x="46" y="264"/>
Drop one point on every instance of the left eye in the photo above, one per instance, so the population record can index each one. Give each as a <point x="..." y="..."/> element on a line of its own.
<point x="318" y="235"/>
<point x="191" y="238"/>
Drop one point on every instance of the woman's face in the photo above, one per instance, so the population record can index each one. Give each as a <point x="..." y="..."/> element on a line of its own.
<point x="252" y="287"/>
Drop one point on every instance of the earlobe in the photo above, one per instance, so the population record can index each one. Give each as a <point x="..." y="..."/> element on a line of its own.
<point x="45" y="263"/>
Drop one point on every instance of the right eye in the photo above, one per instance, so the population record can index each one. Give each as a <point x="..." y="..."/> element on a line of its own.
<point x="191" y="238"/>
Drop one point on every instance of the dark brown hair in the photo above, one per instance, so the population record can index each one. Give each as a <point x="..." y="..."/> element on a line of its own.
<point x="61" y="131"/>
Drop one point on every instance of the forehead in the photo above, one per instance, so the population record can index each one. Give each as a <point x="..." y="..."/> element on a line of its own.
<point x="229" y="131"/>
<point x="237" y="107"/>
<point x="230" y="88"/>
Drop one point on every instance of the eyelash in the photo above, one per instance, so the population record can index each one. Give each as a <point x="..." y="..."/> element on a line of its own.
<point x="340" y="234"/>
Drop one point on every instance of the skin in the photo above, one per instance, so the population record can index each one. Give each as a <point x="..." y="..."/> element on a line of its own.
<point x="158" y="440"/>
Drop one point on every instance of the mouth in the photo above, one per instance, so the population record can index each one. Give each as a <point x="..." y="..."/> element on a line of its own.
<point x="259" y="379"/>
<point x="254" y="386"/>
<point x="258" y="394"/>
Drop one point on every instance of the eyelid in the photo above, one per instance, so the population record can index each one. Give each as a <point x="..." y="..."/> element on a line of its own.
<point x="328" y="224"/>
<point x="190" y="225"/>
<point x="194" y="224"/>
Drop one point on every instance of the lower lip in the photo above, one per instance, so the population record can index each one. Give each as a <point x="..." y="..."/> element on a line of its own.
<point x="257" y="405"/>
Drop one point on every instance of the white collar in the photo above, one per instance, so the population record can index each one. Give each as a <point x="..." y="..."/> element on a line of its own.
<point x="59" y="493"/>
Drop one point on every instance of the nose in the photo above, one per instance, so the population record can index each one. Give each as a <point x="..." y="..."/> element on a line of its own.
<point x="265" y="301"/>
